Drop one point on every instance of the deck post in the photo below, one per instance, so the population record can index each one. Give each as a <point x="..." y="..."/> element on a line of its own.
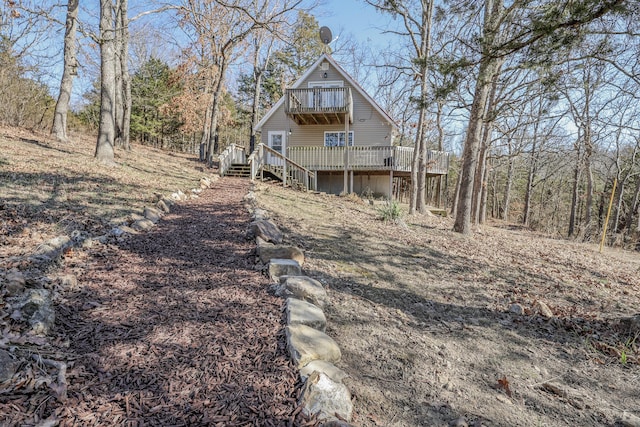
<point x="346" y="152"/>
<point x="391" y="185"/>
<point x="351" y="183"/>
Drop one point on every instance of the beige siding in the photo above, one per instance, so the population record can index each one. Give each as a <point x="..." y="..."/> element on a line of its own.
<point x="333" y="183"/>
<point x="370" y="127"/>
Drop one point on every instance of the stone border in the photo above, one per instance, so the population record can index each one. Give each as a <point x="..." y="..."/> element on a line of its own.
<point x="312" y="351"/>
<point x="30" y="297"/>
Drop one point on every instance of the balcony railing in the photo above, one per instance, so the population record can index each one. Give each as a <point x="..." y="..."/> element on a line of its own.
<point x="319" y="105"/>
<point x="397" y="159"/>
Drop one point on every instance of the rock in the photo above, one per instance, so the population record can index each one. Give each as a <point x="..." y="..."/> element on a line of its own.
<point x="142" y="225"/>
<point x="135" y="217"/>
<point x="326" y="399"/>
<point x="516" y="309"/>
<point x="304" y="313"/>
<point x="122" y="230"/>
<point x="629" y="420"/>
<point x="68" y="282"/>
<point x="163" y="206"/>
<point x="306" y="344"/>
<point x="178" y="195"/>
<point x="543" y="309"/>
<point x="53" y="248"/>
<point x="336" y="423"/>
<point x="459" y="422"/>
<point x="283" y="267"/>
<point x="266" y="230"/>
<point x="16" y="283"/>
<point x="152" y="214"/>
<point x="250" y="197"/>
<point x="36" y="307"/>
<point x="8" y="366"/>
<point x="327" y="368"/>
<point x="268" y="251"/>
<point x="205" y="183"/>
<point x="260" y="214"/>
<point x="304" y="288"/>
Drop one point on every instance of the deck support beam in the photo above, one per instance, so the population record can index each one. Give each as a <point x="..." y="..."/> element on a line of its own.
<point x="346" y="154"/>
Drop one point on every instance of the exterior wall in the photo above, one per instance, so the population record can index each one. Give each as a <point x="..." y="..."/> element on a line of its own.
<point x="370" y="128"/>
<point x="333" y="183"/>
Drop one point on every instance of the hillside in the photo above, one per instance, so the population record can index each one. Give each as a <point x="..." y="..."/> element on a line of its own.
<point x="506" y="327"/>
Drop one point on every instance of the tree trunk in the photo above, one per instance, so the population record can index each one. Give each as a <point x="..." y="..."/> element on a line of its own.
<point x="59" y="129"/>
<point x="258" y="73"/>
<point x="588" y="144"/>
<point x="106" y="131"/>
<point x="489" y="66"/>
<point x="123" y="79"/>
<point x="633" y="207"/>
<point x="415" y="165"/>
<point x="574" y="194"/>
<point x="215" y="106"/>
<point x="526" y="212"/>
<point x="506" y="198"/>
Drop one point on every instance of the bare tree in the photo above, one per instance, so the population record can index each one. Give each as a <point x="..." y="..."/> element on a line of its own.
<point x="417" y="20"/>
<point x="107" y="126"/>
<point x="70" y="69"/>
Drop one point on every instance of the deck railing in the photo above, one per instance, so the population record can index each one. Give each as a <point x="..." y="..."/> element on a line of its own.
<point x="318" y="100"/>
<point x="397" y="159"/>
<point x="289" y="171"/>
<point x="232" y="154"/>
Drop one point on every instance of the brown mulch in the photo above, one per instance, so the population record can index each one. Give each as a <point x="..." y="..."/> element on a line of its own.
<point x="171" y="327"/>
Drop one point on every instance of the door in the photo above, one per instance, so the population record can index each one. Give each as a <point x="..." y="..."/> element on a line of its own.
<point x="320" y="98"/>
<point x="277" y="142"/>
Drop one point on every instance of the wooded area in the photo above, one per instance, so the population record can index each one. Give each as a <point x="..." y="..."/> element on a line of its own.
<point x="538" y="99"/>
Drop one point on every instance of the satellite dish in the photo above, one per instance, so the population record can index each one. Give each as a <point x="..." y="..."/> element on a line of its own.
<point x="325" y="35"/>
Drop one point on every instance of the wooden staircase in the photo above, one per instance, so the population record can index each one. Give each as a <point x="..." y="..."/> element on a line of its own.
<point x="240" y="170"/>
<point x="277" y="173"/>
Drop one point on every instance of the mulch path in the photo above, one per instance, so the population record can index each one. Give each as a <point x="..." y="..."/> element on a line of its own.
<point x="174" y="327"/>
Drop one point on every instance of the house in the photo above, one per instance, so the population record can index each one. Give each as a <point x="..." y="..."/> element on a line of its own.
<point x="305" y="132"/>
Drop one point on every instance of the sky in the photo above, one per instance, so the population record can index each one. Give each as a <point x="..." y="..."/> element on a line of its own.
<point x="356" y="18"/>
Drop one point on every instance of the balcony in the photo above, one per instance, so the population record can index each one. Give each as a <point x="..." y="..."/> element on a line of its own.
<point x="319" y="106"/>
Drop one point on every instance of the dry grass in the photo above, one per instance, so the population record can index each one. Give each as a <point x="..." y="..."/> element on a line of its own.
<point x="49" y="188"/>
<point x="424" y="317"/>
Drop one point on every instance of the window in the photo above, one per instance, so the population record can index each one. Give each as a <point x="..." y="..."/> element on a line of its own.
<point x="336" y="139"/>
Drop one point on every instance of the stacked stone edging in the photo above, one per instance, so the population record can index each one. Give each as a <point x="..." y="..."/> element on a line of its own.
<point x="310" y="348"/>
<point x="30" y="298"/>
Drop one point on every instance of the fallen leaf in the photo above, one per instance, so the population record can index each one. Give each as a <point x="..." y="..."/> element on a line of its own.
<point x="503" y="383"/>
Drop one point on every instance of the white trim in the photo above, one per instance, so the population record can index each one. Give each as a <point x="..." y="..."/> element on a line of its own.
<point x="270" y="158"/>
<point x="345" y="75"/>
<point x="326" y="84"/>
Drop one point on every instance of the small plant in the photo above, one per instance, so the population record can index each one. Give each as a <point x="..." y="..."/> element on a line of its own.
<point x="628" y="347"/>
<point x="390" y="211"/>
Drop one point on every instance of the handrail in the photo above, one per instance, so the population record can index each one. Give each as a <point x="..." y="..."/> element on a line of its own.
<point x="328" y="100"/>
<point x="230" y="155"/>
<point x="299" y="173"/>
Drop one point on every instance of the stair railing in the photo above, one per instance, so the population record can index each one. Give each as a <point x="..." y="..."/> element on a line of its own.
<point x="292" y="172"/>
<point x="232" y="154"/>
<point x="256" y="161"/>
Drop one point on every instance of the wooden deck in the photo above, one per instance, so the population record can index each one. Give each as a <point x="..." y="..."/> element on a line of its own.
<point x="396" y="159"/>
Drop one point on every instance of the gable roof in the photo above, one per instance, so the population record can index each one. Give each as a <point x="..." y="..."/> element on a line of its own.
<point x="344" y="74"/>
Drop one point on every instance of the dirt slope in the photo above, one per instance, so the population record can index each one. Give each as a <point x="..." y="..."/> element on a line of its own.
<point x="168" y="327"/>
<point x="429" y="326"/>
